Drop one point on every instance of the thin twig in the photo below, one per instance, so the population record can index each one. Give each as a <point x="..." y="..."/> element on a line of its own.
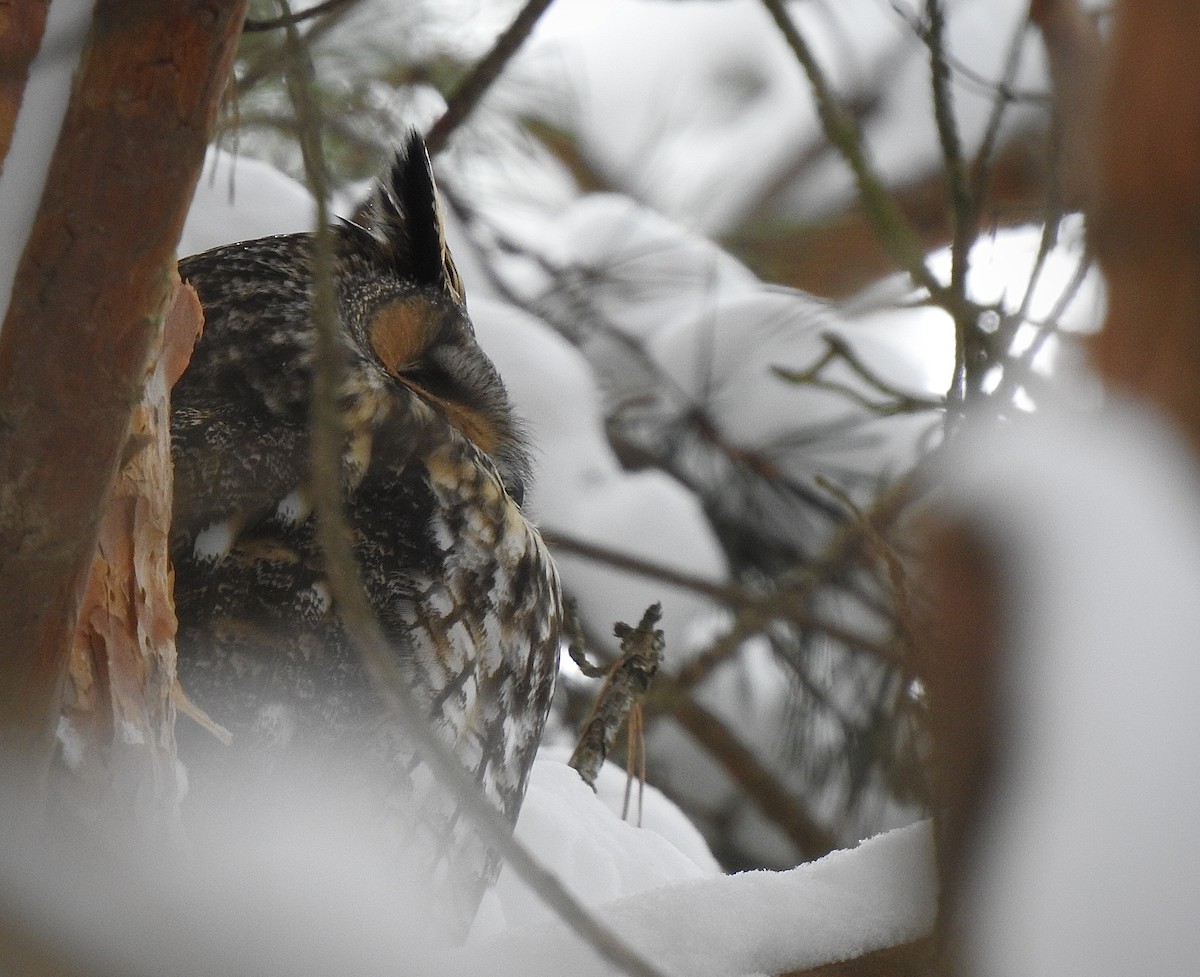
<point x="889" y="558"/>
<point x="577" y="640"/>
<point x="981" y="169"/>
<point x="755" y="610"/>
<point x="723" y="593"/>
<point x="292" y="19"/>
<point x="1005" y="89"/>
<point x="837" y="348"/>
<point x="961" y="201"/>
<point x="475" y="85"/>
<point x="839" y="125"/>
<point x="967" y="347"/>
<point x="356" y="613"/>
<point x="1015" y="370"/>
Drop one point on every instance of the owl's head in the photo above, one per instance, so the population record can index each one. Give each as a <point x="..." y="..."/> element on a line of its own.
<point x="414" y="319"/>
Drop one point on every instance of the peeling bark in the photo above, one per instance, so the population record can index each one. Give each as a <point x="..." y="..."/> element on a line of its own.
<point x="118" y="698"/>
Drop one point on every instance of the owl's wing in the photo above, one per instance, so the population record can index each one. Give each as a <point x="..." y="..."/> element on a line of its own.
<point x="232" y="465"/>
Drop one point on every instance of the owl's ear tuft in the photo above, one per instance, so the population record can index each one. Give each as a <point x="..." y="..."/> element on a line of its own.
<point x="406" y="218"/>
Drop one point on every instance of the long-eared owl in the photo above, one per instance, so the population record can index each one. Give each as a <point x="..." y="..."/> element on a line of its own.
<point x="434" y="470"/>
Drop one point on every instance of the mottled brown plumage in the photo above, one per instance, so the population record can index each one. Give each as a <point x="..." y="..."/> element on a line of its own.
<point x="434" y="472"/>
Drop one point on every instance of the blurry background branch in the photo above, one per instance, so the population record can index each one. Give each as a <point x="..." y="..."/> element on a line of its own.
<point x="843" y="134"/>
<point x="472" y="88"/>
<point x="298" y="17"/>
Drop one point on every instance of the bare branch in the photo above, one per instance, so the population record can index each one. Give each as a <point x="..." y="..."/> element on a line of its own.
<point x="843" y="133"/>
<point x="761" y="786"/>
<point x="961" y="201"/>
<point x="755" y="611"/>
<point x="472" y="88"/>
<point x="724" y="593"/>
<point x="837" y="348"/>
<point x="291" y="20"/>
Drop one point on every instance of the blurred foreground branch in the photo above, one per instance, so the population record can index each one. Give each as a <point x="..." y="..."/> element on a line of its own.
<point x="334" y="536"/>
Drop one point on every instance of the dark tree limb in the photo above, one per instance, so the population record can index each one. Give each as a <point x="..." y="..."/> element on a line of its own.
<point x="472" y="88"/>
<point x="90" y="294"/>
<point x="761" y="787"/>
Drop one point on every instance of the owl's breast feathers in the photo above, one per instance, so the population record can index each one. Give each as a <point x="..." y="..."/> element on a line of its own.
<point x="433" y="471"/>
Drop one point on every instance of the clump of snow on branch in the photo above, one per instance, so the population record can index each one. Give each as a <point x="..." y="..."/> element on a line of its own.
<point x="1088" y="865"/>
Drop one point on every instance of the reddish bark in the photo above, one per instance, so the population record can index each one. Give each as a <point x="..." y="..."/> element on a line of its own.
<point x="1144" y="228"/>
<point x="81" y="335"/>
<point x="1076" y="55"/>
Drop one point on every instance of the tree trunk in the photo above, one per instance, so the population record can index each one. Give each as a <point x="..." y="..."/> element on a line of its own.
<point x="83" y="335"/>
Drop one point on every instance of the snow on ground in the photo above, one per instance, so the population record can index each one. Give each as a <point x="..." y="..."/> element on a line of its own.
<point x="1089" y="865"/>
<point x="878" y="895"/>
<point x="311" y="895"/>
<point x="582" y="839"/>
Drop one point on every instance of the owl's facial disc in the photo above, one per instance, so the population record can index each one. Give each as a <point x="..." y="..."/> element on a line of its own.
<point x="428" y="346"/>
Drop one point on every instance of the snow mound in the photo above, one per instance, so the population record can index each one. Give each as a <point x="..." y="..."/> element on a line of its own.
<point x="851" y="902"/>
<point x="582" y="839"/>
<point x="238" y="199"/>
<point x="1088" y="863"/>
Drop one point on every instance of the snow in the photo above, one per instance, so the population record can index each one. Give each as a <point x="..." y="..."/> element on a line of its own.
<point x="239" y="198"/>
<point x="878" y="895"/>
<point x="71" y="742"/>
<point x="702" y="110"/>
<point x="1088" y="863"/>
<point x="309" y="894"/>
<point x="726" y="358"/>
<point x="585" y="843"/>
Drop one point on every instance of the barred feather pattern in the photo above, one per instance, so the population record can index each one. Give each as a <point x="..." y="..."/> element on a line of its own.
<point x="434" y="469"/>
